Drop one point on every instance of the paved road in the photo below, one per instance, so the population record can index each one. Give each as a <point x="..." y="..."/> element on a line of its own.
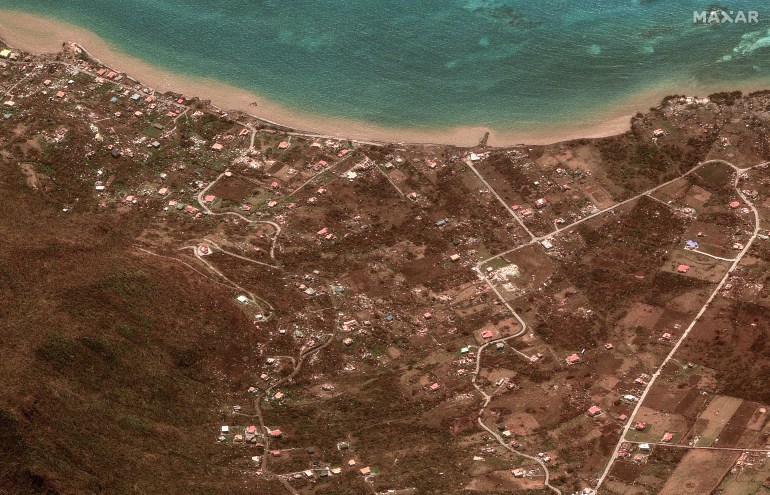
<point x="256" y="300"/>
<point x="499" y="198"/>
<point x="488" y="398"/>
<point x="26" y="76"/>
<point x="567" y="227"/>
<point x="695" y="447"/>
<point x="703" y="309"/>
<point x="391" y="181"/>
<point x="321" y="172"/>
<point x="244" y="258"/>
<point x="304" y="354"/>
<point x="711" y="255"/>
<point x="537" y="239"/>
<point x="205" y="208"/>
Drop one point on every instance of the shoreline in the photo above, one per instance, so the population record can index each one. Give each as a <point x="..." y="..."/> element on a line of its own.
<point x="39" y="35"/>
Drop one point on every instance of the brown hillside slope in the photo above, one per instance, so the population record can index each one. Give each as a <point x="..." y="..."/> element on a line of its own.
<point x="106" y="386"/>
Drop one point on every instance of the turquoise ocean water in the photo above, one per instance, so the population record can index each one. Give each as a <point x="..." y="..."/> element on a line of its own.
<point x="431" y="63"/>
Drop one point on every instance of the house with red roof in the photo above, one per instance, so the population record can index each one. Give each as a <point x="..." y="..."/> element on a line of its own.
<point x="250" y="432"/>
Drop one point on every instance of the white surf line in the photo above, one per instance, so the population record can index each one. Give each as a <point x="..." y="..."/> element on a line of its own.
<point x="499" y="198"/>
<point x="703" y="309"/>
<point x="245" y="219"/>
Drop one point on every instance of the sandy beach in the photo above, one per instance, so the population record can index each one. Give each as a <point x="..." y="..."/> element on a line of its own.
<point x="36" y="34"/>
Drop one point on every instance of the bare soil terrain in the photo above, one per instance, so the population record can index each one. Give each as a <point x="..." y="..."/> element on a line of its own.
<point x="195" y="301"/>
